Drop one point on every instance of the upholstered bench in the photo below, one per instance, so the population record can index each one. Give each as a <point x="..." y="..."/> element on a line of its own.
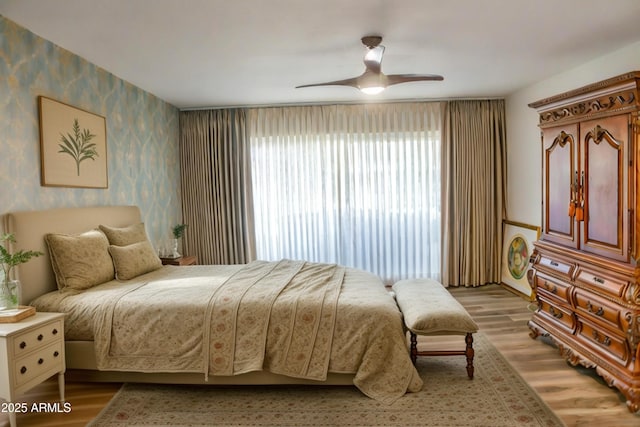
<point x="429" y="309"/>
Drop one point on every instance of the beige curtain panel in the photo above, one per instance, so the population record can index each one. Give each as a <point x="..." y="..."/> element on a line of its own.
<point x="216" y="186"/>
<point x="473" y="191"/>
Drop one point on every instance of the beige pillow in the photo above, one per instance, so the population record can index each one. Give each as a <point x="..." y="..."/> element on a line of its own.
<point x="124" y="236"/>
<point x="133" y="260"/>
<point x="80" y="261"/>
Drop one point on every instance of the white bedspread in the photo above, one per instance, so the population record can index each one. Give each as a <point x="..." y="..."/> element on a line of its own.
<point x="289" y="317"/>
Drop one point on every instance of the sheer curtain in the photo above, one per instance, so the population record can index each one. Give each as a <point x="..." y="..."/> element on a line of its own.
<point x="357" y="185"/>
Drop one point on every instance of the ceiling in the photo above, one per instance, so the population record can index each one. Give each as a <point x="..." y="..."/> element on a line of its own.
<point x="212" y="53"/>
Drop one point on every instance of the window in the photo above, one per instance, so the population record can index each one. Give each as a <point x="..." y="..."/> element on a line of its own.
<point x="354" y="185"/>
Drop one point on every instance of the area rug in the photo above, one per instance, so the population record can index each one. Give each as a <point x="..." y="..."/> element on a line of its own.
<point x="496" y="397"/>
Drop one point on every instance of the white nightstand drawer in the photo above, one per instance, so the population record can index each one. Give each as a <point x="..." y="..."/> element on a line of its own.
<point x="46" y="359"/>
<point x="37" y="338"/>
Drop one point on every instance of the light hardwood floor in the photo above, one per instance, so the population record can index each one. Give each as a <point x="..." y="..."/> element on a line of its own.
<point x="577" y="395"/>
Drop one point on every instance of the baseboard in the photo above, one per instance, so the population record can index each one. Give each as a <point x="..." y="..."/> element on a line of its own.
<point x="525" y="297"/>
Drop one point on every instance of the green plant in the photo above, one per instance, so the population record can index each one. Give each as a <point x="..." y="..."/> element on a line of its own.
<point x="178" y="230"/>
<point x="78" y="145"/>
<point x="9" y="260"/>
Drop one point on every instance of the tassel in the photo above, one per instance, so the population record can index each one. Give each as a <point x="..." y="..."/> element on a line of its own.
<point x="572" y="209"/>
<point x="579" y="213"/>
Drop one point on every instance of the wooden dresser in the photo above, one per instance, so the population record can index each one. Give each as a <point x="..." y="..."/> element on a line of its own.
<point x="585" y="266"/>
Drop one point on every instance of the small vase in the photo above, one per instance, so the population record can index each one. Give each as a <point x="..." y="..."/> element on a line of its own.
<point x="9" y="294"/>
<point x="175" y="253"/>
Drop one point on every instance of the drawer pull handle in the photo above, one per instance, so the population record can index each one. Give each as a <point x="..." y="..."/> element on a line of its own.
<point x="56" y="354"/>
<point x="604" y="340"/>
<point x="23" y="344"/>
<point x="550" y="287"/>
<point x="23" y="370"/>
<point x="598" y="312"/>
<point x="54" y="332"/>
<point x="554" y="264"/>
<point x="598" y="280"/>
<point x="40" y="361"/>
<point x="555" y="313"/>
<point x="40" y="337"/>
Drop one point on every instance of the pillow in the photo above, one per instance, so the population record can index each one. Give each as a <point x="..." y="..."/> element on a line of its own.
<point x="80" y="261"/>
<point x="133" y="260"/>
<point x="125" y="235"/>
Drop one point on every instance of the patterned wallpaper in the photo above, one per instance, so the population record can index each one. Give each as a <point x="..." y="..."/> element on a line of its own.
<point x="142" y="132"/>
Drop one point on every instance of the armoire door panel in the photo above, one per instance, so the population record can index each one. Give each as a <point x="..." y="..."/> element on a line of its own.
<point x="604" y="163"/>
<point x="559" y="166"/>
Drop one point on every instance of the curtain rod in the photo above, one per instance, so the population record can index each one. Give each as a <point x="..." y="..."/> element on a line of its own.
<point x="306" y="104"/>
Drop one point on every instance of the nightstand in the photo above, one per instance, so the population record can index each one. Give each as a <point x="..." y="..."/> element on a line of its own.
<point x="31" y="351"/>
<point x="183" y="260"/>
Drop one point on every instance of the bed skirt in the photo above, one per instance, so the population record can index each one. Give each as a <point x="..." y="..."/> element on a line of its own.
<point x="81" y="366"/>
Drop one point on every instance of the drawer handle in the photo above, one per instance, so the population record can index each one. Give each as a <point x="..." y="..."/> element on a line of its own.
<point x="40" y="337"/>
<point x="604" y="340"/>
<point x="23" y="345"/>
<point x="555" y="313"/>
<point x="56" y="354"/>
<point x="598" y="280"/>
<point x="551" y="288"/>
<point x="598" y="312"/>
<point x="54" y="332"/>
<point x="40" y="361"/>
<point x="554" y="264"/>
<point x="23" y="370"/>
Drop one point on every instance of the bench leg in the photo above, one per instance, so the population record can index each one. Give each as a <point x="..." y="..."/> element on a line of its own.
<point x="469" y="352"/>
<point x="414" y="347"/>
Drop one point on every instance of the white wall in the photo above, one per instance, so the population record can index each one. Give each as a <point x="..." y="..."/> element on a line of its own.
<point x="524" y="151"/>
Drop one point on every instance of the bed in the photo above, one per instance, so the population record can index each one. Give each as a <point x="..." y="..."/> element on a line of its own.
<point x="284" y="322"/>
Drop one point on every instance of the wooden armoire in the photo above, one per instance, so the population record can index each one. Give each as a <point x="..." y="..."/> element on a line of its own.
<point x="585" y="272"/>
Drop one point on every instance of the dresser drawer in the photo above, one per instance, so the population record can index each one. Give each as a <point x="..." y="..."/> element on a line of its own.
<point x="49" y="358"/>
<point x="609" y="345"/>
<point x="36" y="338"/>
<point x="598" y="309"/>
<point x="556" y="314"/>
<point x="555" y="267"/>
<point x="547" y="285"/>
<point x="601" y="282"/>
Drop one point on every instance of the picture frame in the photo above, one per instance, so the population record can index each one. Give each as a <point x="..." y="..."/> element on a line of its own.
<point x="517" y="247"/>
<point x="73" y="146"/>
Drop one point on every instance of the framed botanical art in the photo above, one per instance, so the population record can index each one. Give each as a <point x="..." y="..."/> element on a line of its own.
<point x="73" y="146"/>
<point x="517" y="247"/>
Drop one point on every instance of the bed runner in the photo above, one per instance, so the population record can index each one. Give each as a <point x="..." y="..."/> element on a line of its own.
<point x="290" y="305"/>
<point x="278" y="316"/>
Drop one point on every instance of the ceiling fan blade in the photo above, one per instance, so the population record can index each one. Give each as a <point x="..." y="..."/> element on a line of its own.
<point x="346" y="82"/>
<point x="394" y="79"/>
<point x="373" y="58"/>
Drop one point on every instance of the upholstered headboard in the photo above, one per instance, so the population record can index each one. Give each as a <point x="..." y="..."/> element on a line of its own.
<point x="30" y="227"/>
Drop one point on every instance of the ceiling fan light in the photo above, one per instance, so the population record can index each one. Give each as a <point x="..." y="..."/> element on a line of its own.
<point x="372" y="90"/>
<point x="371" y="55"/>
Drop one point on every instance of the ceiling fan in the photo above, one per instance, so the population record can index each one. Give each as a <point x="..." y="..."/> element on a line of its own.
<point x="373" y="80"/>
